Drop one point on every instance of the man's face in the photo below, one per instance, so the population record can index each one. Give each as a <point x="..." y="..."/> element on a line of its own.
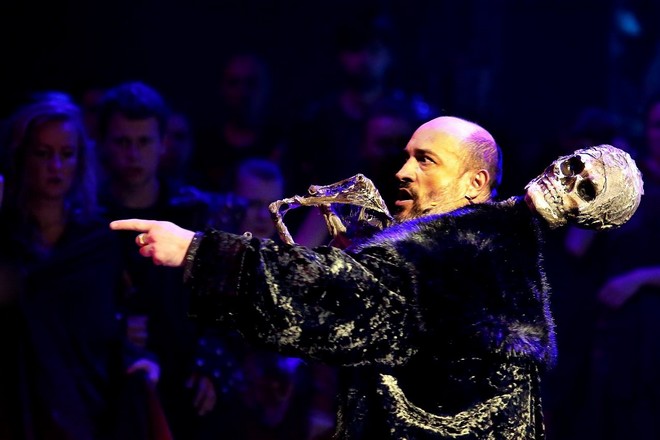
<point x="133" y="149"/>
<point x="433" y="179"/>
<point x="243" y="87"/>
<point x="52" y="160"/>
<point x="258" y="193"/>
<point x="384" y="136"/>
<point x="366" y="65"/>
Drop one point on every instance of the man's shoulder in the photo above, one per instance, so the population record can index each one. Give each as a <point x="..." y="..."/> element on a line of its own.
<point x="477" y="221"/>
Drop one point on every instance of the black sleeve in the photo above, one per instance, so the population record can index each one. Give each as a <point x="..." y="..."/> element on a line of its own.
<point x="322" y="303"/>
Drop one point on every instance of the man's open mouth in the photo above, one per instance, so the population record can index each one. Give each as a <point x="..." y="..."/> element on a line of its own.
<point x="403" y="195"/>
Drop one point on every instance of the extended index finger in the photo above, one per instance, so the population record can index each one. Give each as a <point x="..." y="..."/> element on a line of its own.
<point x="133" y="224"/>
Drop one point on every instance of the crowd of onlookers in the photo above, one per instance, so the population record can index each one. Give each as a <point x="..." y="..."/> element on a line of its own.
<point x="97" y="342"/>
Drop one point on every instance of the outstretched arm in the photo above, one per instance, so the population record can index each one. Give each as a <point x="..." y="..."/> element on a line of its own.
<point x="165" y="242"/>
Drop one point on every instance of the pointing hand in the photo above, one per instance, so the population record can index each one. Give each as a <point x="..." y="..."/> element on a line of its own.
<point x="165" y="242"/>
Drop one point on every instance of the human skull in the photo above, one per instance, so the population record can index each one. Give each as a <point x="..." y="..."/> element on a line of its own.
<point x="596" y="188"/>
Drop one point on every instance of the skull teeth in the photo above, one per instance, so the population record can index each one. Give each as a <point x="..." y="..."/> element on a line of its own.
<point x="551" y="195"/>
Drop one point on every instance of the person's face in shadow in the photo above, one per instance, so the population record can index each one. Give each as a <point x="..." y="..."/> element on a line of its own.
<point x="385" y="135"/>
<point x="52" y="160"/>
<point x="366" y="65"/>
<point x="244" y="87"/>
<point x="258" y="193"/>
<point x="133" y="149"/>
<point x="269" y="388"/>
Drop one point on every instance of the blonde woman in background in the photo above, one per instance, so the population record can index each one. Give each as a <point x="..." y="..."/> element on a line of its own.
<point x="65" y="357"/>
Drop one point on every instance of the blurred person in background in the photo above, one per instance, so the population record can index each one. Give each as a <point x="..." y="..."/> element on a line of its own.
<point x="269" y="396"/>
<point x="242" y="123"/>
<point x="68" y="367"/>
<point x="328" y="133"/>
<point x="619" y="395"/>
<point x="132" y="124"/>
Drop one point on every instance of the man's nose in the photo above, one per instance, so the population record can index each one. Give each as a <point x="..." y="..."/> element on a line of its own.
<point x="406" y="171"/>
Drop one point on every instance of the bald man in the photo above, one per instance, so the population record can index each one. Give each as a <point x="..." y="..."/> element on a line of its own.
<point x="439" y="324"/>
<point x="451" y="162"/>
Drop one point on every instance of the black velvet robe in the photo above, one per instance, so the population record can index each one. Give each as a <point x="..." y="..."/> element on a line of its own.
<point x="440" y="325"/>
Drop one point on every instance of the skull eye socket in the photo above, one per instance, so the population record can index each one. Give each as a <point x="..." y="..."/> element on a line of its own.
<point x="572" y="166"/>
<point x="586" y="190"/>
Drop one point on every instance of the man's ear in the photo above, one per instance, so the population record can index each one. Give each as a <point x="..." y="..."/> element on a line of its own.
<point x="478" y="185"/>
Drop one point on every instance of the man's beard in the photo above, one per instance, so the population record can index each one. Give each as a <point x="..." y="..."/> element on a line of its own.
<point x="415" y="211"/>
<point x="436" y="203"/>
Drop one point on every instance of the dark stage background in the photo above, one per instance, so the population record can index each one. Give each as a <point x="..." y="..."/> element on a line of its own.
<point x="522" y="67"/>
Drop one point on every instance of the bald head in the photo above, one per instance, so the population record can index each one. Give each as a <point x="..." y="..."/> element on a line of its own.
<point x="451" y="161"/>
<point x="457" y="127"/>
<point x="473" y="143"/>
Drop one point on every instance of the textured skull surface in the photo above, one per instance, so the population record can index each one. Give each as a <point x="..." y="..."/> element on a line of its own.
<point x="598" y="188"/>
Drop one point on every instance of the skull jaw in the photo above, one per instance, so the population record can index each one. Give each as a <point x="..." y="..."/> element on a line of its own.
<point x="536" y="200"/>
